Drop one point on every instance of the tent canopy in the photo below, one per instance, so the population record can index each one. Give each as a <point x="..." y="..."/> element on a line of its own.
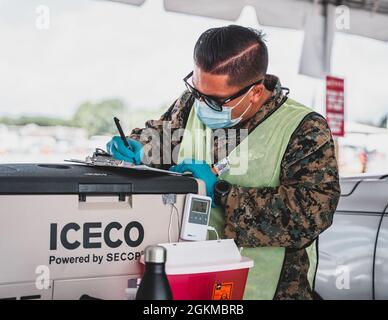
<point x="319" y="18"/>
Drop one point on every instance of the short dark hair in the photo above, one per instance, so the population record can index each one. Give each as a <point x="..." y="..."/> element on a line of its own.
<point x="234" y="50"/>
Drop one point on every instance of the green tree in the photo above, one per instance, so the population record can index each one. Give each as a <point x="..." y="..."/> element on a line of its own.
<point x="39" y="120"/>
<point x="384" y="121"/>
<point x="97" y="118"/>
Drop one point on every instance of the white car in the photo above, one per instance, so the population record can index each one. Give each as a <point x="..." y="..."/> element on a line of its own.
<point x="353" y="252"/>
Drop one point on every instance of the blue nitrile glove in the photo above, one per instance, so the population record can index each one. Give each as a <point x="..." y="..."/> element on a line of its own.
<point x="117" y="149"/>
<point x="200" y="170"/>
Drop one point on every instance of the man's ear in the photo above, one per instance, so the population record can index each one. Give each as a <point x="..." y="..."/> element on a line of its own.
<point x="257" y="93"/>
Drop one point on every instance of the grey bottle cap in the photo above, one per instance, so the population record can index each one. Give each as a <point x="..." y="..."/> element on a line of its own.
<point x="155" y="254"/>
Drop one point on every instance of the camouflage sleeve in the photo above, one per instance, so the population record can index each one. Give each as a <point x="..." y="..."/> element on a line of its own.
<point x="293" y="214"/>
<point x="165" y="134"/>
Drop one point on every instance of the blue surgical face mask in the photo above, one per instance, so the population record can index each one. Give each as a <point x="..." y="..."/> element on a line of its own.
<point x="218" y="119"/>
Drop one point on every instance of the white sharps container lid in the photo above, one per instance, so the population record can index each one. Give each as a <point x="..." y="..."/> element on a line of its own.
<point x="204" y="256"/>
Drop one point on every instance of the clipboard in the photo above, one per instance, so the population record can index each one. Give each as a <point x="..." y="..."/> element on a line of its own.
<point x="101" y="158"/>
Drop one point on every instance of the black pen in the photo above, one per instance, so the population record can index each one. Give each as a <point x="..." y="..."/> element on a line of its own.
<point x="122" y="135"/>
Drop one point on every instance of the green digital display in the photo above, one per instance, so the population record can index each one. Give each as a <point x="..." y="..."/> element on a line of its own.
<point x="199" y="206"/>
<point x="198" y="211"/>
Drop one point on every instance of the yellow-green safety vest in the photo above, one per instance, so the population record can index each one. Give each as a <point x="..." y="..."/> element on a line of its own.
<point x="265" y="147"/>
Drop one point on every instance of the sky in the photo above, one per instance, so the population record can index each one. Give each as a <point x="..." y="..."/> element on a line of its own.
<point x="95" y="50"/>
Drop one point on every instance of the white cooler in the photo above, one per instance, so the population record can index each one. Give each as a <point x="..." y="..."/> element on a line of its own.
<point x="71" y="230"/>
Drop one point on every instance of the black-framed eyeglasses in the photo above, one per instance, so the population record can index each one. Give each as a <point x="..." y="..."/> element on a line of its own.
<point x="214" y="102"/>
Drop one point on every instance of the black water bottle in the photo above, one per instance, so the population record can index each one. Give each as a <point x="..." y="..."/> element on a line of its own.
<point x="154" y="284"/>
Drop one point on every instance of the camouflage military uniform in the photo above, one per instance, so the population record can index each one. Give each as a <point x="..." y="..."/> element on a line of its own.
<point x="291" y="215"/>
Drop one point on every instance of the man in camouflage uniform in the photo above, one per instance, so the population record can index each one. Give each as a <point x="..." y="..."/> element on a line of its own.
<point x="291" y="215"/>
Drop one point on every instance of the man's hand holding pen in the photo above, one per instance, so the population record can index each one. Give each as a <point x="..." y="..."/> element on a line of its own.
<point x="123" y="148"/>
<point x="118" y="150"/>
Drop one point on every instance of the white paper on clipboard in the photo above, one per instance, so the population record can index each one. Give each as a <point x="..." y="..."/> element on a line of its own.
<point x="122" y="164"/>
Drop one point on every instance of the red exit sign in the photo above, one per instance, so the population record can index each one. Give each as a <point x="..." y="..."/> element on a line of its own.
<point x="335" y="105"/>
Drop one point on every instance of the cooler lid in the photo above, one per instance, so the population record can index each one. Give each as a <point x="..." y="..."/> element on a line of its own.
<point x="40" y="178"/>
<point x="204" y="256"/>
